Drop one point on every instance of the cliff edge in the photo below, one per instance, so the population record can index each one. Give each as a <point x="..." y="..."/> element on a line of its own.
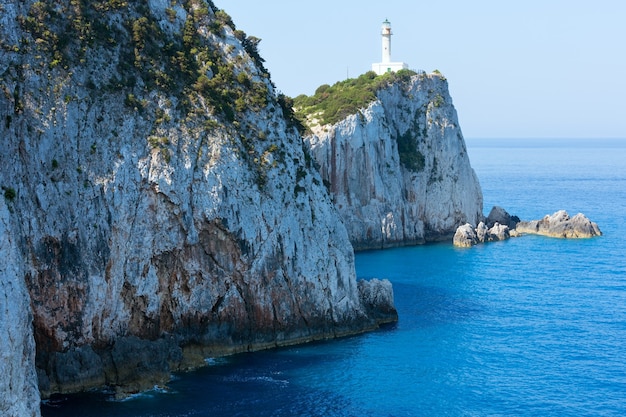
<point x="159" y="205"/>
<point x="397" y="167"/>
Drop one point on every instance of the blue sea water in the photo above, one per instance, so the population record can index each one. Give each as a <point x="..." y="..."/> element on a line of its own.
<point x="532" y="326"/>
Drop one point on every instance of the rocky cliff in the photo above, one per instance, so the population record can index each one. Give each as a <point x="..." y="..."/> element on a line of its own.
<point x="158" y="203"/>
<point x="398" y="169"/>
<point x="19" y="395"/>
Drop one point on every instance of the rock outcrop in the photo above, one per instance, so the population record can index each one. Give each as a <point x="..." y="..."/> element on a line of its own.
<point x="159" y="205"/>
<point x="501" y="216"/>
<point x="561" y="225"/>
<point x="398" y="170"/>
<point x="558" y="225"/>
<point x="467" y="235"/>
<point x="377" y="297"/>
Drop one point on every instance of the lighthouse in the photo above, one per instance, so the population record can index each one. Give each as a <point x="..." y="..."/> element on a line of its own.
<point x="386" y="65"/>
<point x="386" y="42"/>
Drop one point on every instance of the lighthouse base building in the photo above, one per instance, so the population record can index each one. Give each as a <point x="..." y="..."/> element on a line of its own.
<point x="381" y="68"/>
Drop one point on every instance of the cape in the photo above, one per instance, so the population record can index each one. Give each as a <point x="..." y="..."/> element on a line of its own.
<point x="398" y="168"/>
<point x="158" y="203"/>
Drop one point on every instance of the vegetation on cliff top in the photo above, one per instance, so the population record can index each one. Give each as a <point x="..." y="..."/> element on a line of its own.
<point x="171" y="66"/>
<point x="147" y="56"/>
<point x="331" y="104"/>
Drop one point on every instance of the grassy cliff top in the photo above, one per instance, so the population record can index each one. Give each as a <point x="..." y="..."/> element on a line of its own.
<point x="330" y="104"/>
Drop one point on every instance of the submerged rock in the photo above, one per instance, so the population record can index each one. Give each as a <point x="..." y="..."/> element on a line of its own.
<point x="561" y="225"/>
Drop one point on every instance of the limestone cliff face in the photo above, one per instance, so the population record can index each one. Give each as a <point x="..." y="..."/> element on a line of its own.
<point x="19" y="395"/>
<point x="158" y="205"/>
<point x="398" y="170"/>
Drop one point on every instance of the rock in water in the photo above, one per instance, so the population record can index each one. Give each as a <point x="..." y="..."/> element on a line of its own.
<point x="498" y="232"/>
<point x="561" y="225"/>
<point x="377" y="297"/>
<point x="500" y="215"/>
<point x="465" y="236"/>
<point x="160" y="203"/>
<point x="398" y="169"/>
<point x="482" y="232"/>
<point x="558" y="224"/>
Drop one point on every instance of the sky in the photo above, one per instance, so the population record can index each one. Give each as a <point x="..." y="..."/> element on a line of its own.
<point x="515" y="69"/>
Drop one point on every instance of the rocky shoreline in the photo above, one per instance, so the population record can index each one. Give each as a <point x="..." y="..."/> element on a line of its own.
<point x="500" y="225"/>
<point x="133" y="364"/>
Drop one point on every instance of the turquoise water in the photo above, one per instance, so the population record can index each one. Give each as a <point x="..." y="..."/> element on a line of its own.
<point x="531" y="326"/>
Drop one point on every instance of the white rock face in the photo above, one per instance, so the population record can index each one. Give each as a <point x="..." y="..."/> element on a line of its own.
<point x="19" y="395"/>
<point x="466" y="236"/>
<point x="390" y="198"/>
<point x="153" y="225"/>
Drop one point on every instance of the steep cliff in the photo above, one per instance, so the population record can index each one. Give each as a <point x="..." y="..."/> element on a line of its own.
<point x="159" y="203"/>
<point x="18" y="386"/>
<point x="398" y="168"/>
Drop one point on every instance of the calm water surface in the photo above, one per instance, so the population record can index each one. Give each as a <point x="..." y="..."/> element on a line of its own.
<point x="531" y="326"/>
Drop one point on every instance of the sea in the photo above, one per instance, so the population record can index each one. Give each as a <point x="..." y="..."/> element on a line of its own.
<point x="531" y="326"/>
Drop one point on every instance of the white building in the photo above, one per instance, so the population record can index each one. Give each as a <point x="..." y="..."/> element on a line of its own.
<point x="386" y="65"/>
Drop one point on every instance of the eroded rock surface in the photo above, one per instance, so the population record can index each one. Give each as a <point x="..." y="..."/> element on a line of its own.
<point x="398" y="170"/>
<point x="19" y="395"/>
<point x="467" y="235"/>
<point x="561" y="225"/>
<point x="501" y="216"/>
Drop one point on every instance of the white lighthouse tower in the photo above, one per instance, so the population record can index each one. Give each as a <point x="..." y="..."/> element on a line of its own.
<point x="386" y="42"/>
<point x="386" y="65"/>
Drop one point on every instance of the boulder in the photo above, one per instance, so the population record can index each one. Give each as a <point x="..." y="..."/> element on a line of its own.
<point x="465" y="236"/>
<point x="500" y="215"/>
<point x="482" y="232"/>
<point x="376" y="296"/>
<point x="499" y="232"/>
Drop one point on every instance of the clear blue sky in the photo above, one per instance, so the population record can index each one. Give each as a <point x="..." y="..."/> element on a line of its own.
<point x="532" y="68"/>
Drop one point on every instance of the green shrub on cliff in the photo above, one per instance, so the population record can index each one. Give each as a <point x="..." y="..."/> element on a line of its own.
<point x="9" y="193"/>
<point x="145" y="56"/>
<point x="410" y="157"/>
<point x="331" y="104"/>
